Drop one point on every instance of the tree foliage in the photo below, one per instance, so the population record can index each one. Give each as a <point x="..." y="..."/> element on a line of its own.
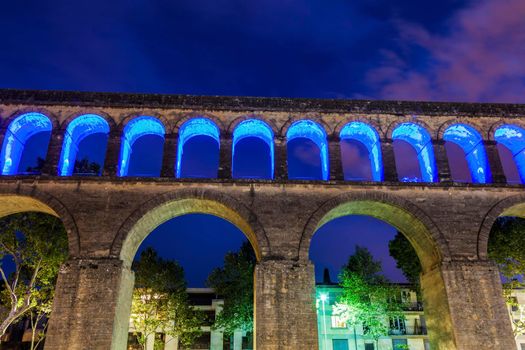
<point x="234" y="282"/>
<point x="160" y="302"/>
<point x="32" y="248"/>
<point x="406" y="259"/>
<point x="366" y="297"/>
<point x="505" y="248"/>
<point x="84" y="166"/>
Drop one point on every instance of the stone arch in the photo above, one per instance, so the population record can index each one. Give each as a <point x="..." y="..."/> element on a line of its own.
<point x="400" y="120"/>
<point x="231" y="126"/>
<point x="459" y="120"/>
<point x="30" y="199"/>
<point x="510" y="206"/>
<point x="363" y="119"/>
<point x="315" y="117"/>
<point x="414" y="223"/>
<point x="188" y="116"/>
<point x="169" y="205"/>
<point x="146" y="113"/>
<point x="494" y="126"/>
<point x="52" y="116"/>
<point x="111" y="122"/>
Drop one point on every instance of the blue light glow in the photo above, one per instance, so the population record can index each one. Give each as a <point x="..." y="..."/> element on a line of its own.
<point x="419" y="138"/>
<point x="18" y="133"/>
<point x="78" y="130"/>
<point x="191" y="128"/>
<point x="470" y="141"/>
<point x="313" y="131"/>
<point x="254" y="128"/>
<point x="365" y="134"/>
<point x="513" y="137"/>
<point x="135" y="129"/>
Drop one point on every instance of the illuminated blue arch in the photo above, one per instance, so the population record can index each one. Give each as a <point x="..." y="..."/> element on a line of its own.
<point x="513" y="137"/>
<point x="420" y="139"/>
<point x="254" y="128"/>
<point x="313" y="131"/>
<point x="471" y="142"/>
<point x="18" y="133"/>
<point x="136" y="128"/>
<point x="79" y="128"/>
<point x="191" y="128"/>
<point x="367" y="135"/>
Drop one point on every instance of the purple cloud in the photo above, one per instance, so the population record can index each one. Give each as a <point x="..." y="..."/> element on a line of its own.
<point x="481" y="57"/>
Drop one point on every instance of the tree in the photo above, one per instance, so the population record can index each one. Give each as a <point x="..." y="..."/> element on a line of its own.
<point x="505" y="248"/>
<point x="367" y="298"/>
<point x="406" y="259"/>
<point x="35" y="244"/>
<point x="234" y="282"/>
<point x="84" y="166"/>
<point x="160" y="301"/>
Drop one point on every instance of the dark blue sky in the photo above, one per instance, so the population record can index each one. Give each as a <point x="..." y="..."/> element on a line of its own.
<point x="381" y="49"/>
<point x="444" y="50"/>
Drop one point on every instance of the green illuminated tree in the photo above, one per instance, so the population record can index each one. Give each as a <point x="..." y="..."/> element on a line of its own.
<point x="367" y="298"/>
<point x="234" y="282"/>
<point x="406" y="259"/>
<point x="160" y="302"/>
<point x="505" y="248"/>
<point x="32" y="248"/>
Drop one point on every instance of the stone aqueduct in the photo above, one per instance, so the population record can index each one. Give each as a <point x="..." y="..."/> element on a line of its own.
<point x="107" y="217"/>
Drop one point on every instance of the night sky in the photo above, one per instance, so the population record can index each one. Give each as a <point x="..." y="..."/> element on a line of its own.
<point x="448" y="50"/>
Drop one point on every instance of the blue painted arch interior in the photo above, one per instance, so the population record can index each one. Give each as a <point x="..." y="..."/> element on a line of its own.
<point x="19" y="131"/>
<point x="254" y="128"/>
<point x="136" y="128"/>
<point x="314" y="132"/>
<point x="368" y="136"/>
<point x="77" y="130"/>
<point x="513" y="138"/>
<point x="191" y="128"/>
<point x="421" y="141"/>
<point x="471" y="142"/>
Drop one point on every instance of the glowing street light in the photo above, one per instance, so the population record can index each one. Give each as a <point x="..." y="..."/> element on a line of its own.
<point x="324" y="297"/>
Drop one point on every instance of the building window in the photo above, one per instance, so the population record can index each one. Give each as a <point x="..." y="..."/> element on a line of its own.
<point x="338" y="322"/>
<point x="522" y="345"/>
<point x="397" y="326"/>
<point x="339" y="344"/>
<point x="427" y="345"/>
<point x="399" y="344"/>
<point x="247" y="341"/>
<point x="369" y="346"/>
<point x="133" y="342"/>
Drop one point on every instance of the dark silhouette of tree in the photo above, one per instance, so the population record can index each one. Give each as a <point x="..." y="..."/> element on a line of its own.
<point x="363" y="264"/>
<point x="84" y="166"/>
<point x="406" y="259"/>
<point x="234" y="282"/>
<point x="37" y="169"/>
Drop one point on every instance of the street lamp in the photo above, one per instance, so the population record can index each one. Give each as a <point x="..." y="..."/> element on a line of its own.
<point x="324" y="298"/>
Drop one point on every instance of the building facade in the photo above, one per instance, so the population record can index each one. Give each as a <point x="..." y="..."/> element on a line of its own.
<point x="408" y="332"/>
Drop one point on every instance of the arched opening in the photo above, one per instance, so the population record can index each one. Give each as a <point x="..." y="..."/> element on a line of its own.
<point x="142" y="147"/>
<point x="413" y="145"/>
<point x="25" y="144"/>
<point x="465" y="145"/>
<point x="357" y="233"/>
<point x="361" y="153"/>
<point x="511" y="148"/>
<point x="505" y="248"/>
<point x="33" y="246"/>
<point x="253" y="150"/>
<point x="307" y="151"/>
<point x="85" y="141"/>
<point x="170" y="230"/>
<point x="198" y="149"/>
